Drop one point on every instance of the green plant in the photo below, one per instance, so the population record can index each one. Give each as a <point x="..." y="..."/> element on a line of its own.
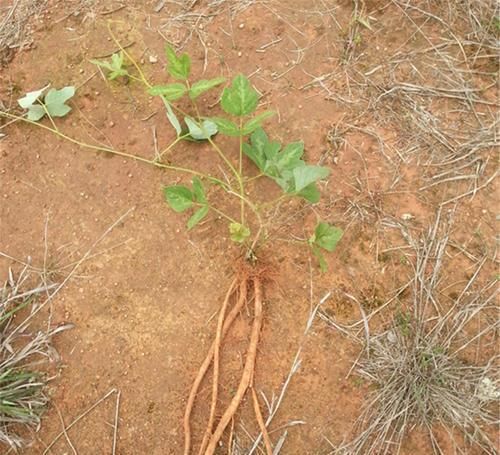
<point x="249" y="216"/>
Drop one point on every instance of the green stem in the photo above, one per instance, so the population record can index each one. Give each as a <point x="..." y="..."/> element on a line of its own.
<point x="117" y="152"/>
<point x="166" y="149"/>
<point x="240" y="169"/>
<point x="221" y="213"/>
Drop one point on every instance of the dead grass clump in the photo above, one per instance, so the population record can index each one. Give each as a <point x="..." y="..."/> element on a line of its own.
<point x="431" y="367"/>
<point x="24" y="353"/>
<point x="14" y="26"/>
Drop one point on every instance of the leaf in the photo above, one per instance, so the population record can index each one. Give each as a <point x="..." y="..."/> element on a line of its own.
<point x="289" y="158"/>
<point x="240" y="98"/>
<point x="255" y="150"/>
<point x="305" y="175"/>
<point x="326" y="236"/>
<point x="197" y="216"/>
<point x="256" y="122"/>
<point x="171" y="92"/>
<point x="201" y="132"/>
<point x="199" y="191"/>
<point x="323" y="266"/>
<point x="238" y="232"/>
<point x="172" y="118"/>
<point x="226" y="126"/>
<point x="27" y="100"/>
<point x="204" y="85"/>
<point x="178" y="67"/>
<point x="55" y="101"/>
<point x="310" y="193"/>
<point x="178" y="197"/>
<point x="36" y="112"/>
<point x="115" y="66"/>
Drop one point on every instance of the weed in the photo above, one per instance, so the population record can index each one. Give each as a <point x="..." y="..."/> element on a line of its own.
<point x="22" y="397"/>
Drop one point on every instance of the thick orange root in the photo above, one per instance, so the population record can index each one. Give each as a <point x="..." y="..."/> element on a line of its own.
<point x="248" y="370"/>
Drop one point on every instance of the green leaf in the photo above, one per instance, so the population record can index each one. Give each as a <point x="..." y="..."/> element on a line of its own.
<point x="30" y="98"/>
<point x="197" y="217"/>
<point x="172" y="118"/>
<point x="240" y="98"/>
<point x="178" y="67"/>
<point x="305" y="175"/>
<point x="326" y="236"/>
<point x="255" y="150"/>
<point x="115" y="66"/>
<point x="256" y="122"/>
<point x="310" y="193"/>
<point x="203" y="86"/>
<point x="178" y="197"/>
<point x="238" y="232"/>
<point x="171" y="92"/>
<point x="323" y="266"/>
<point x="36" y="112"/>
<point x="55" y="101"/>
<point x="290" y="157"/>
<point x="226" y="126"/>
<point x="199" y="191"/>
<point x="201" y="131"/>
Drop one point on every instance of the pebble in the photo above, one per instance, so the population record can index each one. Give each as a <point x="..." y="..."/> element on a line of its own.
<point x="239" y="54"/>
<point x="153" y="59"/>
<point x="241" y="25"/>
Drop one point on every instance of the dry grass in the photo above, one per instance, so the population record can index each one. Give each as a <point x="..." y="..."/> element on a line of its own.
<point x="24" y="354"/>
<point x="430" y="366"/>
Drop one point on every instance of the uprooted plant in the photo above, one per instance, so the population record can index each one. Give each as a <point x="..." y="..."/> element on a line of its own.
<point x="249" y="219"/>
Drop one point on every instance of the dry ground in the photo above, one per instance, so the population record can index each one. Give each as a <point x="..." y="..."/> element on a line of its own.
<point x="398" y="98"/>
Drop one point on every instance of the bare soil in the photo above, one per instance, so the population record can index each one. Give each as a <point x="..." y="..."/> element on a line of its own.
<point x="143" y="308"/>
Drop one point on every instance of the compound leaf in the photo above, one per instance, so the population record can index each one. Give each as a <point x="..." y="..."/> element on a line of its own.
<point x="240" y="98"/>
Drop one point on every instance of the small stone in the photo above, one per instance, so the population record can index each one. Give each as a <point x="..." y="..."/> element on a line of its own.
<point x="407" y="217"/>
<point x="111" y="124"/>
<point x="241" y="25"/>
<point x="153" y="59"/>
<point x="240" y="54"/>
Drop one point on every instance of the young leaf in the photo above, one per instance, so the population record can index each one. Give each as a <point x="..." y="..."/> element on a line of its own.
<point x="326" y="236"/>
<point x="240" y="98"/>
<point x="178" y="67"/>
<point x="197" y="216"/>
<point x="256" y="122"/>
<point x="36" y="112"/>
<point x="199" y="191"/>
<point x="238" y="232"/>
<point x="171" y="92"/>
<point x="204" y="85"/>
<point x="178" y="197"/>
<point x="305" y="175"/>
<point x="55" y="101"/>
<point x="290" y="157"/>
<point x="226" y="126"/>
<point x="115" y="67"/>
<point x="201" y="132"/>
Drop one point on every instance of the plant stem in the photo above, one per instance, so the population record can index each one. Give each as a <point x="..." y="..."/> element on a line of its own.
<point x="117" y="152"/>
<point x="240" y="169"/>
<point x="166" y="149"/>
